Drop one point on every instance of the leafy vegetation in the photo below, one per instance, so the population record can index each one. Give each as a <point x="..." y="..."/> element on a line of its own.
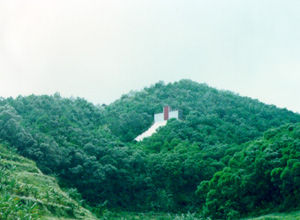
<point x="209" y="116"/>
<point x="26" y="193"/>
<point x="265" y="174"/>
<point x="149" y="216"/>
<point x="225" y="158"/>
<point x="278" y="216"/>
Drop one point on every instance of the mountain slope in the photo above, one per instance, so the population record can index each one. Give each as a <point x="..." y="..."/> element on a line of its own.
<point x="65" y="138"/>
<point x="26" y="193"/>
<point x="90" y="147"/>
<point x="264" y="175"/>
<point x="214" y="125"/>
<point x="235" y="119"/>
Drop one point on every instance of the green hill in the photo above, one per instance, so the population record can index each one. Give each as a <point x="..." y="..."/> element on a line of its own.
<point x="264" y="175"/>
<point x="91" y="148"/>
<point x="210" y="115"/>
<point x="26" y="193"/>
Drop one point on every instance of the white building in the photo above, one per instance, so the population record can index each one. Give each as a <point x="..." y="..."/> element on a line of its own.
<point x="160" y="120"/>
<point x="166" y="115"/>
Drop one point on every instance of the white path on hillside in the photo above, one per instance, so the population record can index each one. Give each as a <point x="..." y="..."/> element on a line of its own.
<point x="151" y="130"/>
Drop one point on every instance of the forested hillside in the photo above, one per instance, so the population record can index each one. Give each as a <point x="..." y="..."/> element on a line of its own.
<point x="208" y="115"/>
<point x="265" y="174"/>
<point x="181" y="168"/>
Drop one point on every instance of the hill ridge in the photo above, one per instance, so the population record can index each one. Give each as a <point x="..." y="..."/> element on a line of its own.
<point x="90" y="147"/>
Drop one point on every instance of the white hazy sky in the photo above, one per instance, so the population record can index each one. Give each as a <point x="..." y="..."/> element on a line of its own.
<point x="100" y="49"/>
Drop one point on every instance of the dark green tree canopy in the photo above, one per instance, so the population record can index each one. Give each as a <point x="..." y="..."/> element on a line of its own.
<point x="224" y="148"/>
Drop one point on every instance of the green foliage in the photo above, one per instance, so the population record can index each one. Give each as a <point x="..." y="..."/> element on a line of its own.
<point x="186" y="152"/>
<point x="278" y="216"/>
<point x="149" y="216"/>
<point x="209" y="115"/>
<point x="28" y="194"/>
<point x="91" y="149"/>
<point x="263" y="175"/>
<point x="14" y="208"/>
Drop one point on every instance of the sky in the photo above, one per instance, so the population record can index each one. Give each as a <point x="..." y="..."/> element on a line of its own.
<point x="101" y="49"/>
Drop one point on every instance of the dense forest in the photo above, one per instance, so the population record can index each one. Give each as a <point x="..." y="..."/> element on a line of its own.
<point x="227" y="157"/>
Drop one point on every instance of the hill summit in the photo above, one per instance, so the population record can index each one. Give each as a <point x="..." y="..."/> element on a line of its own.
<point x="180" y="167"/>
<point x="235" y="118"/>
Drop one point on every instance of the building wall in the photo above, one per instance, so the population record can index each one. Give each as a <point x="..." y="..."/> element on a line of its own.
<point x="173" y="114"/>
<point x="166" y="112"/>
<point x="159" y="117"/>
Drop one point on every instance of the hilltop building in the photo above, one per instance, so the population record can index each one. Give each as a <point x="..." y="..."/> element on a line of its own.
<point x="160" y="120"/>
<point x="166" y="114"/>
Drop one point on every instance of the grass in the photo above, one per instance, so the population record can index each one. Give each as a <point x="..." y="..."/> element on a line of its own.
<point x="278" y="216"/>
<point x="189" y="216"/>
